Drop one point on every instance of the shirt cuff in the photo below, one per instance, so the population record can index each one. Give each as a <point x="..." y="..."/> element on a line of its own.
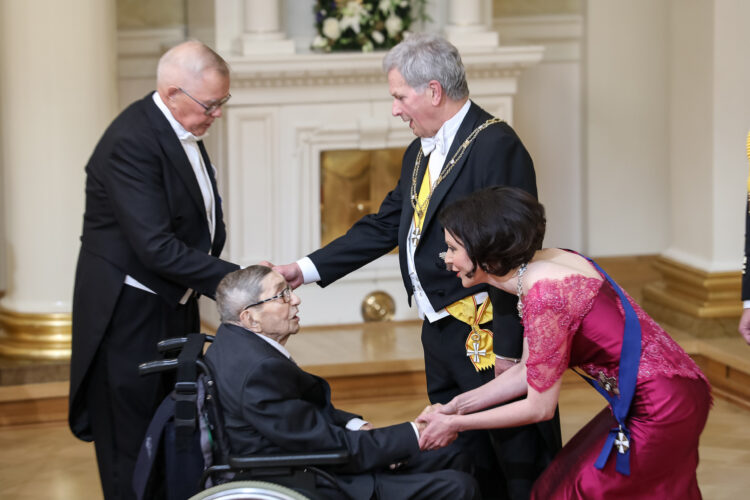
<point x="309" y="271"/>
<point x="355" y="424"/>
<point x="746" y="304"/>
<point x="416" y="431"/>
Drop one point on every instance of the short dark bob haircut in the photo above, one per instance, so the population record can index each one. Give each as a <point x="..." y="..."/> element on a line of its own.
<point x="500" y="227"/>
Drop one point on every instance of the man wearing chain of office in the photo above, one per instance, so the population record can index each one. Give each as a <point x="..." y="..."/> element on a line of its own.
<point x="459" y="149"/>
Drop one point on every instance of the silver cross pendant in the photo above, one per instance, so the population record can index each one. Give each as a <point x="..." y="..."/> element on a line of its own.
<point x="622" y="443"/>
<point x="476" y="352"/>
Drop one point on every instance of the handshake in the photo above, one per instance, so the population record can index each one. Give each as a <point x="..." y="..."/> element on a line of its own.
<point x="436" y="425"/>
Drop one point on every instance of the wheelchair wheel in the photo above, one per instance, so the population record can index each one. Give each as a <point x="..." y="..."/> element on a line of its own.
<point x="249" y="490"/>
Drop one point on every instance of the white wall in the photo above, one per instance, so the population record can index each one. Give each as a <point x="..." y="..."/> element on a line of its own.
<point x="732" y="121"/>
<point x="691" y="131"/>
<point x="626" y="129"/>
<point x="709" y="117"/>
<point x="547" y="117"/>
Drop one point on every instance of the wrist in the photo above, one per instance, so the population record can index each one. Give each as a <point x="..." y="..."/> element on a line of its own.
<point x="457" y="406"/>
<point x="454" y="422"/>
<point x="507" y="358"/>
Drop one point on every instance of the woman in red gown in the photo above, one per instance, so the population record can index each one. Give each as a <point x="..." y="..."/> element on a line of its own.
<point x="574" y="317"/>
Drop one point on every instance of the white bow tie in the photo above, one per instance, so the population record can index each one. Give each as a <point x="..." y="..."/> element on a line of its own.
<point x="429" y="144"/>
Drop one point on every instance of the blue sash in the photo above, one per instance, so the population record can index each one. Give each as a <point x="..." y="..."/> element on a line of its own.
<point x="630" y="356"/>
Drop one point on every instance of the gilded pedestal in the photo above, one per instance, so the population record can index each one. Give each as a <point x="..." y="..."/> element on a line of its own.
<point x="704" y="304"/>
<point x="35" y="335"/>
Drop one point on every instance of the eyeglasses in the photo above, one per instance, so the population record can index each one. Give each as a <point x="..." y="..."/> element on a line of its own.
<point x="209" y="108"/>
<point x="285" y="295"/>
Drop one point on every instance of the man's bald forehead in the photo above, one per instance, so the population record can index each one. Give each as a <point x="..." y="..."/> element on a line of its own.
<point x="189" y="61"/>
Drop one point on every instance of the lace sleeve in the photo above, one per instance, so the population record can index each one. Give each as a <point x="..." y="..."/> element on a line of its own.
<point x="553" y="310"/>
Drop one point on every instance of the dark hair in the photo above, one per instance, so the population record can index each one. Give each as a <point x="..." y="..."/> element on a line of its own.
<point x="500" y="227"/>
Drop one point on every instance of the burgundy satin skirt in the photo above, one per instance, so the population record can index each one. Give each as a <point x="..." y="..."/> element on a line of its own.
<point x="666" y="420"/>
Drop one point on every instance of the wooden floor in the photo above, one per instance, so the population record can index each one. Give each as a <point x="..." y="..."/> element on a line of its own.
<point x="375" y="370"/>
<point x="46" y="461"/>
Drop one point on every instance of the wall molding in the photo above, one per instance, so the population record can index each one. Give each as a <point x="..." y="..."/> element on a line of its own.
<point x="561" y="35"/>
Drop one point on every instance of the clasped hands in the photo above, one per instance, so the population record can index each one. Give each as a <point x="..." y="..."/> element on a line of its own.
<point x="436" y="425"/>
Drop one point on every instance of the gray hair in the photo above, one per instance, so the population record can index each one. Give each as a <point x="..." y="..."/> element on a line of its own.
<point x="237" y="290"/>
<point x="188" y="61"/>
<point x="425" y="56"/>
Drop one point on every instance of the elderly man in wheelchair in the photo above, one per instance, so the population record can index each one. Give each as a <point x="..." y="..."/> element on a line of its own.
<point x="271" y="406"/>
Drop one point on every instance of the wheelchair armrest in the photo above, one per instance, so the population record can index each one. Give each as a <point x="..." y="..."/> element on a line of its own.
<point x="162" y="365"/>
<point x="333" y="457"/>
<point x="177" y="343"/>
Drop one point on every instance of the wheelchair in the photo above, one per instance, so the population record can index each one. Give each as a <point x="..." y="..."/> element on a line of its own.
<point x="187" y="439"/>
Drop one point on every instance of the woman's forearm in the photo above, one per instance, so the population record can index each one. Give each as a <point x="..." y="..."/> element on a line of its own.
<point x="509" y="385"/>
<point x="513" y="414"/>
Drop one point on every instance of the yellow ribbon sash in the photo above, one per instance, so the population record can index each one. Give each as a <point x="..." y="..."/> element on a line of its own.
<point x="423" y="200"/>
<point x="479" y="342"/>
<point x="479" y="347"/>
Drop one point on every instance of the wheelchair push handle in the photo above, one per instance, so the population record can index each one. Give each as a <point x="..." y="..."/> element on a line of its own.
<point x="177" y="343"/>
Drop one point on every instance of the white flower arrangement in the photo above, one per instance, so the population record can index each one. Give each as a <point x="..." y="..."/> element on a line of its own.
<point x="364" y="25"/>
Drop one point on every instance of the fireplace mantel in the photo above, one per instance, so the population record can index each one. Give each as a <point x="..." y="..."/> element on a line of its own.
<point x="314" y="70"/>
<point x="285" y="110"/>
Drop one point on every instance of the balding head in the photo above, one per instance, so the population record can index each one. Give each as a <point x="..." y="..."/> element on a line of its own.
<point x="192" y="80"/>
<point x="188" y="62"/>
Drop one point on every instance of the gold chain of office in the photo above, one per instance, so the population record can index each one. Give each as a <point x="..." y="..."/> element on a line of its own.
<point x="420" y="208"/>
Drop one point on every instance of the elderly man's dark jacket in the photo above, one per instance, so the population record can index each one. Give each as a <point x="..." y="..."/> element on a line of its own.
<point x="272" y="405"/>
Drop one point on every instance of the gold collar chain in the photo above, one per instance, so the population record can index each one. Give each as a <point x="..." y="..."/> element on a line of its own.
<point x="420" y="208"/>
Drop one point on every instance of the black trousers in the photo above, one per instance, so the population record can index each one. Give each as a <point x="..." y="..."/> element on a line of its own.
<point x="120" y="401"/>
<point x="444" y="474"/>
<point x="507" y="461"/>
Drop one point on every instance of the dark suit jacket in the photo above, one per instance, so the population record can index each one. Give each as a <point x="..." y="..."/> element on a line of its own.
<point x="145" y="218"/>
<point x="496" y="156"/>
<point x="271" y="405"/>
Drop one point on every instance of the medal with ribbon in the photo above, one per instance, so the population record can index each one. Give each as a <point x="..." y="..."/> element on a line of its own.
<point x="479" y="347"/>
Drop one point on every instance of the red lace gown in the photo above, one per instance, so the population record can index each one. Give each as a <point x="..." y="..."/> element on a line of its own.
<point x="578" y="321"/>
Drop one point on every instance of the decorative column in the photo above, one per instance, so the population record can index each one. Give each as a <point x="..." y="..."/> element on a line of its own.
<point x="57" y="94"/>
<point x="465" y="28"/>
<point x="262" y="32"/>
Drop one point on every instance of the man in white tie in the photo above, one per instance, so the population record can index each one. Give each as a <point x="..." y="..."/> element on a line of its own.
<point x="152" y="236"/>
<point x="459" y="149"/>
